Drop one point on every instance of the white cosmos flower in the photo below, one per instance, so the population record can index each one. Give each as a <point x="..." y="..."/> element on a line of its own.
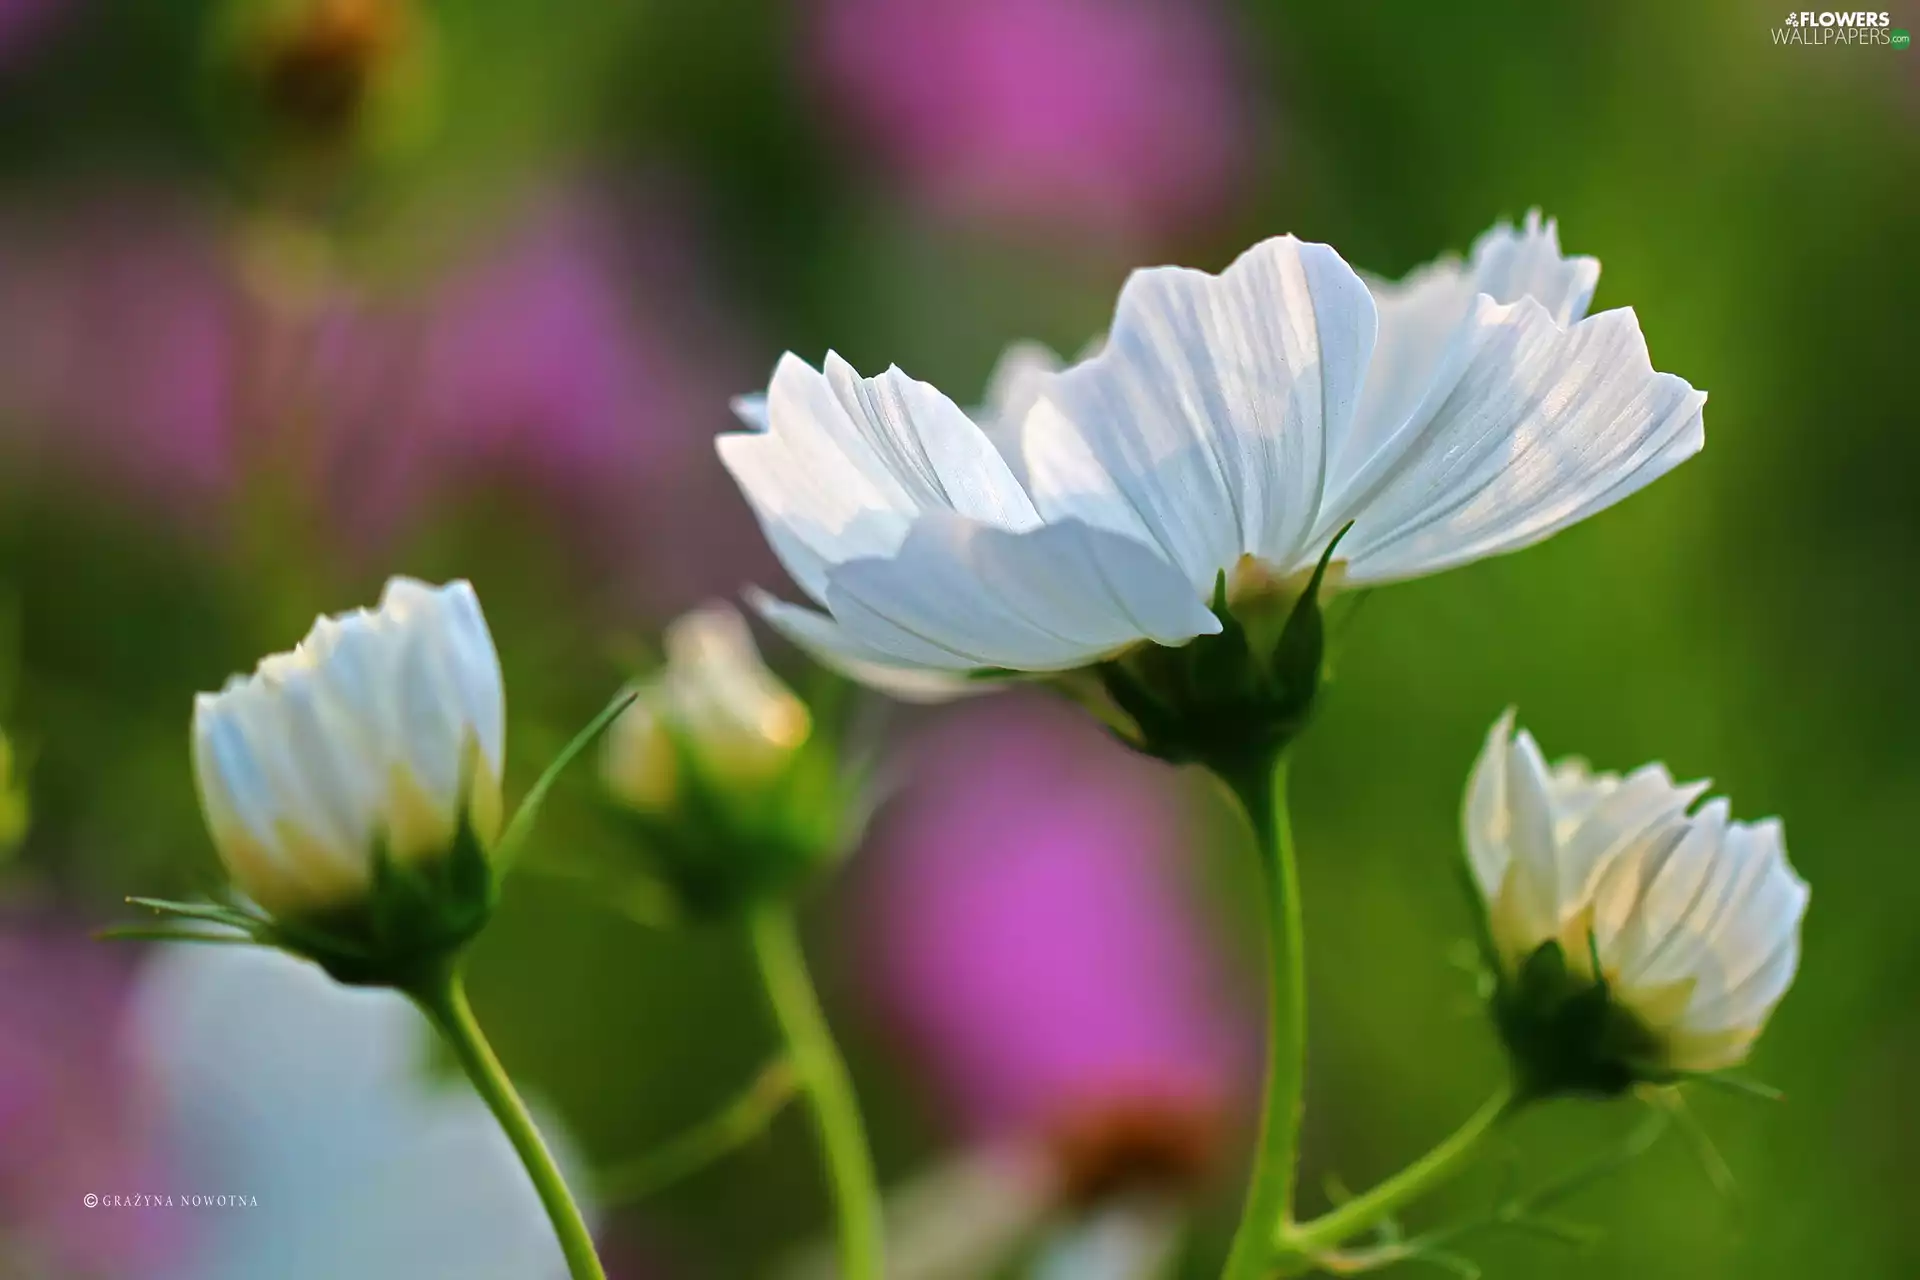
<point x="381" y="728"/>
<point x="715" y="701"/>
<point x="1695" y="918"/>
<point x="317" y="1103"/>
<point x="1230" y="422"/>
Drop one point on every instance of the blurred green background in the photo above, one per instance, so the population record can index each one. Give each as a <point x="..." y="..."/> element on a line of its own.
<point x="298" y="293"/>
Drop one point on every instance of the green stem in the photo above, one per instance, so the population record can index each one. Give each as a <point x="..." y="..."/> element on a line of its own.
<point x="735" y="1125"/>
<point x="1311" y="1239"/>
<point x="823" y="1074"/>
<point x="443" y="998"/>
<point x="1262" y="791"/>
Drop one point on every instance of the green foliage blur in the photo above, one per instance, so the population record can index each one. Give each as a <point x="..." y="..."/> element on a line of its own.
<point x="1751" y="618"/>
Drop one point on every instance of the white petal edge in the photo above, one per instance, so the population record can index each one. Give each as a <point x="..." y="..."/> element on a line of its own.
<point x="1421" y="314"/>
<point x="830" y="644"/>
<point x="1532" y="428"/>
<point x="962" y="595"/>
<point x="1206" y="421"/>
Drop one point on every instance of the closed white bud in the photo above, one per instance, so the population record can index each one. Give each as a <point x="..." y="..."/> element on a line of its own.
<point x="1692" y="918"/>
<point x="381" y="733"/>
<point x="713" y="707"/>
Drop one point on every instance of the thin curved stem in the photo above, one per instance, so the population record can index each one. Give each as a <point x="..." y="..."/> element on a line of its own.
<point x="1369" y="1209"/>
<point x="1262" y="792"/>
<point x="743" y="1119"/>
<point x="823" y="1074"/>
<point x="443" y="998"/>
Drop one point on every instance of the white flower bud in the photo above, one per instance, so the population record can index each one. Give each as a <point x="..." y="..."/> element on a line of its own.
<point x="713" y="707"/>
<point x="1694" y="919"/>
<point x="381" y="731"/>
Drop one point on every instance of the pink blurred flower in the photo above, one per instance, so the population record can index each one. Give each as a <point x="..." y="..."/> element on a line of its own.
<point x="568" y="356"/>
<point x="1123" y="116"/>
<point x="121" y="345"/>
<point x="572" y="357"/>
<point x="1036" y="946"/>
<point x="23" y="24"/>
<point x="526" y="359"/>
<point x="74" y="1116"/>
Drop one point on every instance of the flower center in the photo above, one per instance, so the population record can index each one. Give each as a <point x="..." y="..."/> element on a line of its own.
<point x="1126" y="1144"/>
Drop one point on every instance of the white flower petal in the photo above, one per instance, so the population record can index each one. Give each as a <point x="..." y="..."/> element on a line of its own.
<point x="834" y="647"/>
<point x="1695" y="919"/>
<point x="432" y="725"/>
<point x="1018" y="379"/>
<point x="474" y="665"/>
<point x="1531" y="427"/>
<point x="820" y="492"/>
<point x="1535" y="875"/>
<point x="1511" y="264"/>
<point x="722" y="690"/>
<point x="1748" y="1002"/>
<point x="327" y="759"/>
<point x="1760" y="917"/>
<point x="1248" y="415"/>
<point x="846" y="462"/>
<point x="362" y="671"/>
<point x="1213" y="407"/>
<point x="712" y="715"/>
<point x="939" y="455"/>
<point x="431" y="648"/>
<point x="238" y="804"/>
<point x="1627" y="818"/>
<point x="1672" y="891"/>
<point x="1420" y="315"/>
<point x="1576" y="791"/>
<point x="360" y="733"/>
<point x="268" y="1080"/>
<point x="751" y="409"/>
<point x="1690" y="950"/>
<point x="1484" y="819"/>
<point x="961" y="594"/>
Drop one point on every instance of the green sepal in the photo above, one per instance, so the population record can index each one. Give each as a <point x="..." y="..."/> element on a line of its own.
<point x="1221" y="667"/>
<point x="1724" y="1081"/>
<point x="514" y="838"/>
<point x="418" y="913"/>
<point x="1217" y="700"/>
<point x="722" y="846"/>
<point x="1302" y="646"/>
<point x="414" y="917"/>
<point x="1000" y="675"/>
<point x="1566" y="1034"/>
<point x="1485" y="948"/>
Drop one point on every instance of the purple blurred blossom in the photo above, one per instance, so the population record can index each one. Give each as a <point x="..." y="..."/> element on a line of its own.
<point x="569" y="355"/>
<point x="1034" y="939"/>
<point x="1122" y="116"/>
<point x="573" y="356"/>
<point x="524" y="359"/>
<point x="121" y="345"/>
<point x="23" y="24"/>
<point x="74" y="1115"/>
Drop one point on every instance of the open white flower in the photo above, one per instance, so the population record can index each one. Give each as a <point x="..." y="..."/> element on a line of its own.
<point x="1694" y="918"/>
<point x="316" y="1104"/>
<point x="382" y="730"/>
<point x="1230" y="423"/>
<point x="713" y="703"/>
